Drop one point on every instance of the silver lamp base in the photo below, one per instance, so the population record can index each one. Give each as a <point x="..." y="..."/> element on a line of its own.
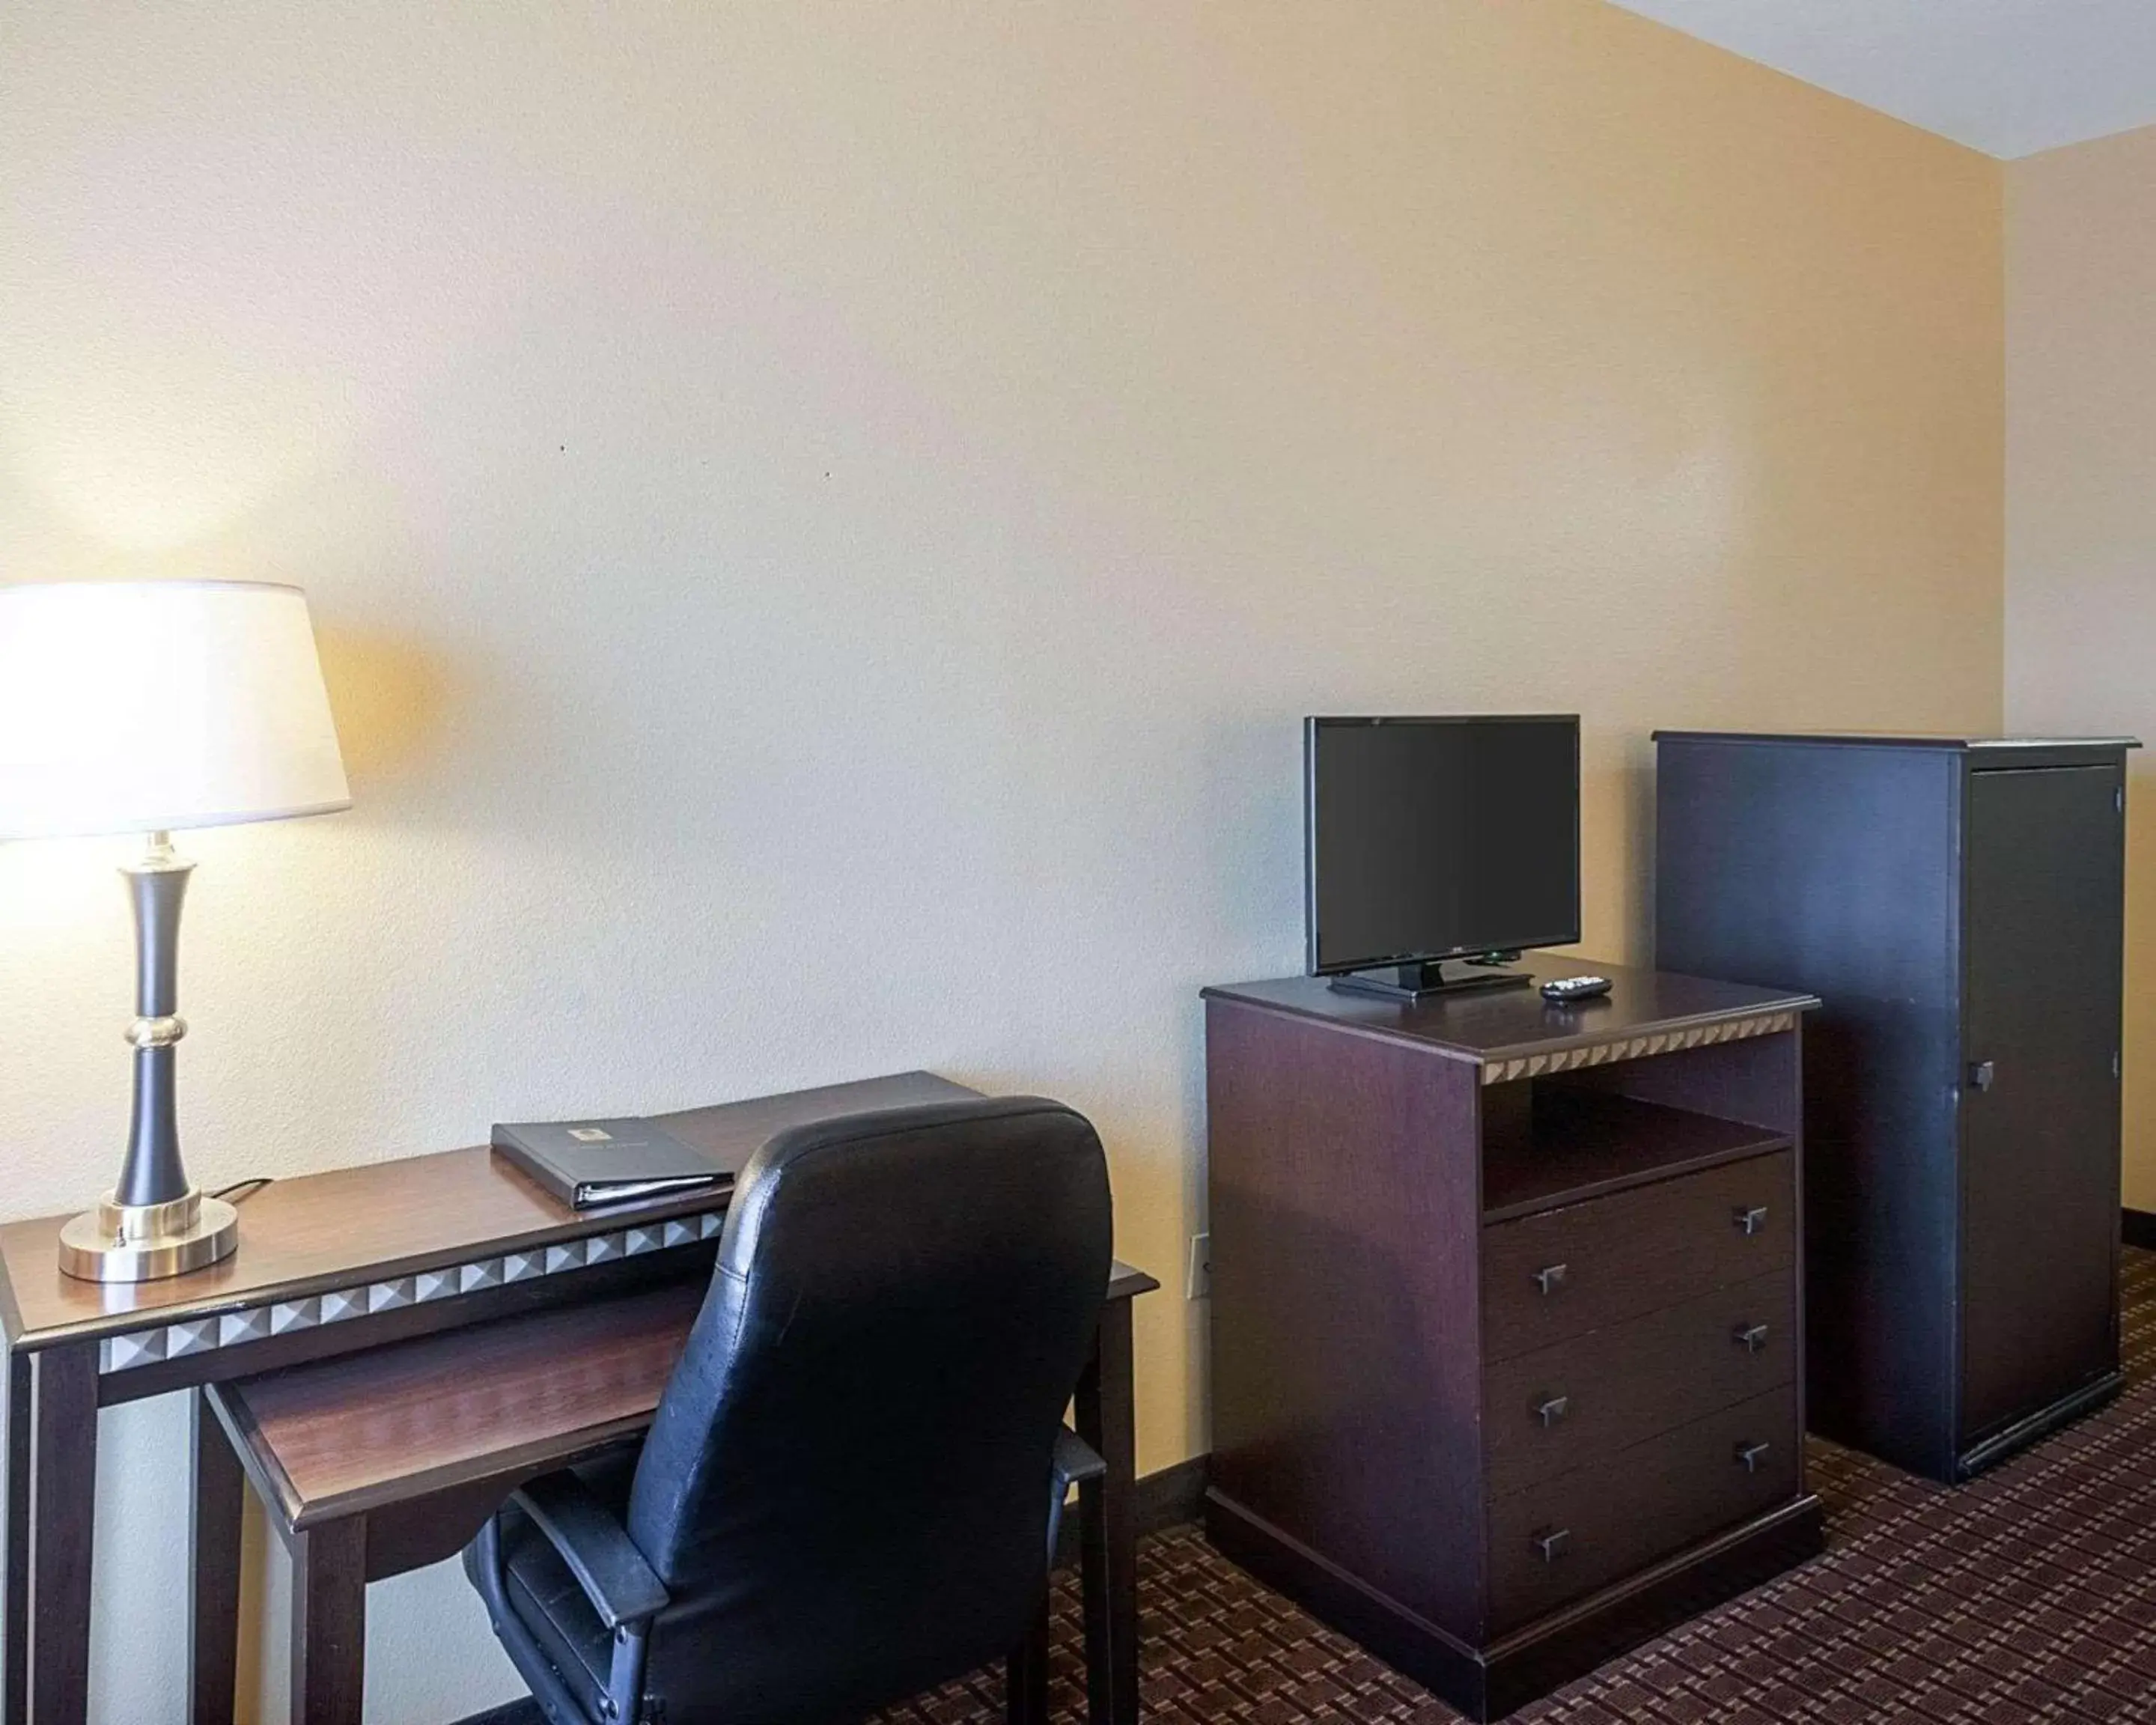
<point x="123" y="1242"/>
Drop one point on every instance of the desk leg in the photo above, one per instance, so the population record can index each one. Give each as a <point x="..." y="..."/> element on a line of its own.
<point x="1108" y="1523"/>
<point x="213" y="1534"/>
<point x="62" y="1500"/>
<point x="329" y="1622"/>
<point x="15" y="1634"/>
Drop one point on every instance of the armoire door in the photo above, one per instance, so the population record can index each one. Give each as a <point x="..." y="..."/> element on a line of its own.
<point x="2042" y="933"/>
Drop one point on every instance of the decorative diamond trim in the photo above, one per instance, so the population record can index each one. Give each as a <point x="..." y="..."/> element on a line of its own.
<point x="388" y="1295"/>
<point x="119" y="1352"/>
<point x="295" y="1315"/>
<point x="344" y="1303"/>
<point x="1635" y="1048"/>
<point x="243" y="1327"/>
<point x="257" y="1323"/>
<point x="196" y="1336"/>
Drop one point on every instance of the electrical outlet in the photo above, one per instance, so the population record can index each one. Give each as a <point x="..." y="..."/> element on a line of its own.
<point x="1199" y="1286"/>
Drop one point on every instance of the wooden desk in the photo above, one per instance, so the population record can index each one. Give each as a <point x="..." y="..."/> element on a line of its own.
<point x="335" y="1263"/>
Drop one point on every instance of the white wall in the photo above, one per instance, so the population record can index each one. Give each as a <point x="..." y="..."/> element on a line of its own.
<point x="2081" y="560"/>
<point x="824" y="522"/>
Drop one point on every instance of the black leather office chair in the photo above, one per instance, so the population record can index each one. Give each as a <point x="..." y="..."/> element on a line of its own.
<point x="844" y="1497"/>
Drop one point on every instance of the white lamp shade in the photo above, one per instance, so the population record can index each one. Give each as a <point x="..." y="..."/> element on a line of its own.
<point x="143" y="706"/>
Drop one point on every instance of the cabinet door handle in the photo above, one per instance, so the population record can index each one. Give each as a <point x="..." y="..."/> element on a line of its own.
<point x="1750" y="1221"/>
<point x="1984" y="1074"/>
<point x="1551" y="1408"/>
<point x="1750" y="1337"/>
<point x="1550" y="1278"/>
<point x="1551" y="1542"/>
<point x="1750" y="1456"/>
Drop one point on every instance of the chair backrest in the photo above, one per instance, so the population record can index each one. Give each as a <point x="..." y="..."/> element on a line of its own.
<point x="846" y="1487"/>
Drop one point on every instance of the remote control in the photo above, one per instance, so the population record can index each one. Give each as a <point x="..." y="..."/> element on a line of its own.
<point x="1569" y="990"/>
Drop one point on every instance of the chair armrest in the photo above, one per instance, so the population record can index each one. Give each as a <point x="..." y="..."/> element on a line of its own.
<point x="1073" y="1462"/>
<point x="1075" y="1459"/>
<point x="597" y="1547"/>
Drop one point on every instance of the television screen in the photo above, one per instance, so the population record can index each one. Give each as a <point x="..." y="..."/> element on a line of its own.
<point x="1436" y="838"/>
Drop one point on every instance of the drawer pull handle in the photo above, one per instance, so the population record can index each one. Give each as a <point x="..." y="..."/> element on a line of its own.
<point x="1551" y="1409"/>
<point x="1550" y="1279"/>
<point x="1751" y="1221"/>
<point x="1750" y="1456"/>
<point x="1750" y="1337"/>
<point x="1551" y="1542"/>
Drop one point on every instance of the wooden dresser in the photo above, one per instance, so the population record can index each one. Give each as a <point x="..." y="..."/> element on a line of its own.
<point x="1508" y="1345"/>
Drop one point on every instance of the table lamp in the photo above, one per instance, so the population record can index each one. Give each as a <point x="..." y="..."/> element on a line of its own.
<point x="145" y="707"/>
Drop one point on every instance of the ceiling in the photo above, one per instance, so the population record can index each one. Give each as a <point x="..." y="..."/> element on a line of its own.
<point x="2007" y="77"/>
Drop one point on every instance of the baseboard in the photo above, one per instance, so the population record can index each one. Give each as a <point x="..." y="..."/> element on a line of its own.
<point x="1173" y="1495"/>
<point x="1167" y="1499"/>
<point x="2138" y="1228"/>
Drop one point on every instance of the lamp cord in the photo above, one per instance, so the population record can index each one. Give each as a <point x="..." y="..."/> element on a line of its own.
<point x="245" y="1188"/>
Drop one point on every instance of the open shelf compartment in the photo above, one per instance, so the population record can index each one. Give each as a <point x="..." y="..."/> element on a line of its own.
<point x="1555" y="1141"/>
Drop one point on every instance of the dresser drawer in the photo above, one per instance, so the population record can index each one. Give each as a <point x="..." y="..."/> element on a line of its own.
<point x="1579" y="1401"/>
<point x="1566" y="1271"/>
<point x="1569" y="1535"/>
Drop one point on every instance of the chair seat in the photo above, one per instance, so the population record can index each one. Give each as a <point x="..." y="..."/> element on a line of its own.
<point x="545" y="1596"/>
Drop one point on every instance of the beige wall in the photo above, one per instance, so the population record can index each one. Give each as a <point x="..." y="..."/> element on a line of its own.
<point x="2080" y="507"/>
<point x="824" y="524"/>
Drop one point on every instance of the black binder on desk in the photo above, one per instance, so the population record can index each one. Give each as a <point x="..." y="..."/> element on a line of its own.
<point x="697" y="1147"/>
<point x="587" y="1163"/>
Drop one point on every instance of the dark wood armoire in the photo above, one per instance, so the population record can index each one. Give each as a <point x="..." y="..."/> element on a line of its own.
<point x="1958" y="904"/>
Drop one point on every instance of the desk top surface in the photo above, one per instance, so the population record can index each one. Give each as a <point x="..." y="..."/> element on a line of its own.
<point x="1497" y="1024"/>
<point x="386" y="1220"/>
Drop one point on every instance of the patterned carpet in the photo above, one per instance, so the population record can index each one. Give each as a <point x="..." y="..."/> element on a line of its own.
<point x="2028" y="1595"/>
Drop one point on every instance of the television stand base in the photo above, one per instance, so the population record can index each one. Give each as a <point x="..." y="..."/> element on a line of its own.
<point x="1409" y="983"/>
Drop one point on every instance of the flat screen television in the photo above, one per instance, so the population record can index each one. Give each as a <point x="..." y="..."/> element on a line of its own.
<point x="1432" y="840"/>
